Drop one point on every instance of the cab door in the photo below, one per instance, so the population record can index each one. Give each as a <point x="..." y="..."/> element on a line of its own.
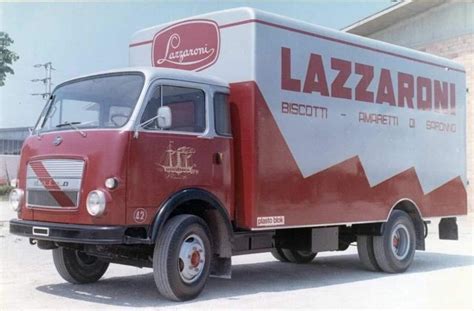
<point x="189" y="154"/>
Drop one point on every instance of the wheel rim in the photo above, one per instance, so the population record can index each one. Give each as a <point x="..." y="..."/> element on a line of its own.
<point x="400" y="241"/>
<point x="192" y="258"/>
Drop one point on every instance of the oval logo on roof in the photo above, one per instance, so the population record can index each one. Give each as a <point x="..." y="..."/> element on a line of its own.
<point x="190" y="45"/>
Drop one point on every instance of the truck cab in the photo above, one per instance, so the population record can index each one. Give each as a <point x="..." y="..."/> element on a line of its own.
<point x="113" y="149"/>
<point x="101" y="139"/>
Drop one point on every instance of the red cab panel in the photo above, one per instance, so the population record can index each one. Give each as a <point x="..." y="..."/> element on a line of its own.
<point x="161" y="164"/>
<point x="52" y="162"/>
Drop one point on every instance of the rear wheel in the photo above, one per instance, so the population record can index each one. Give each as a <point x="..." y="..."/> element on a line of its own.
<point x="278" y="254"/>
<point x="365" y="248"/>
<point x="296" y="256"/>
<point x="78" y="267"/>
<point x="181" y="259"/>
<point x="395" y="249"/>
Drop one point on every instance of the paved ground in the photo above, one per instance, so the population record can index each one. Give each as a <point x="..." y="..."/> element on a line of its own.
<point x="441" y="277"/>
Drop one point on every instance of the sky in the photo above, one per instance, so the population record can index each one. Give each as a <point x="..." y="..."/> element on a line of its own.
<point x="85" y="37"/>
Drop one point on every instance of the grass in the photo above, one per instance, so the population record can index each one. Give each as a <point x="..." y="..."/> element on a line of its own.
<point x="5" y="190"/>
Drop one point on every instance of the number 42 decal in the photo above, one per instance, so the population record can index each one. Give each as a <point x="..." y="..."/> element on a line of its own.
<point x="139" y="215"/>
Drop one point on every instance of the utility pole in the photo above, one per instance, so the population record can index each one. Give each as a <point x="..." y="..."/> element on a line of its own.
<point x="48" y="67"/>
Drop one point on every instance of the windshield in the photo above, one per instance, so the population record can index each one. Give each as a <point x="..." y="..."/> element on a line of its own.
<point x="96" y="102"/>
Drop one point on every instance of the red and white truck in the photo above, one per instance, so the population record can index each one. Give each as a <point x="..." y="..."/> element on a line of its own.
<point x="238" y="132"/>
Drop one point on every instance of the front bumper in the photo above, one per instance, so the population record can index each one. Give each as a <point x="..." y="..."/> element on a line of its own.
<point x="83" y="234"/>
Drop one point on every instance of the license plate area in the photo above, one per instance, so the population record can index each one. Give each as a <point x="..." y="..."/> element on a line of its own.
<point x="41" y="231"/>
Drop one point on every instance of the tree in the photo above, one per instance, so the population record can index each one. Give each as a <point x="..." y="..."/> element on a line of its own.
<point x="7" y="57"/>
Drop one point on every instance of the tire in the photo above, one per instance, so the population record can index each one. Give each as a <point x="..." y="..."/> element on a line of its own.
<point x="77" y="267"/>
<point x="296" y="256"/>
<point x="182" y="258"/>
<point x="365" y="249"/>
<point x="395" y="249"/>
<point x="278" y="254"/>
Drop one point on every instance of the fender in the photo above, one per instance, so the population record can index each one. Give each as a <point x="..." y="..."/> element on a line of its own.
<point x="182" y="196"/>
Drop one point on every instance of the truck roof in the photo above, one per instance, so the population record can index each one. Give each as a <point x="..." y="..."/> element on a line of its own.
<point x="152" y="73"/>
<point x="244" y="15"/>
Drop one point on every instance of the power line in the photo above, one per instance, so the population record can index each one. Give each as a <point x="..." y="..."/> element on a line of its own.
<point x="48" y="67"/>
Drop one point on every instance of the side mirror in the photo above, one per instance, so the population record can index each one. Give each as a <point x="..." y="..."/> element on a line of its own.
<point x="164" y="117"/>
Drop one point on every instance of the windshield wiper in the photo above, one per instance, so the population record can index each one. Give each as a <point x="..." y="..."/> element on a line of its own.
<point x="66" y="123"/>
<point x="73" y="126"/>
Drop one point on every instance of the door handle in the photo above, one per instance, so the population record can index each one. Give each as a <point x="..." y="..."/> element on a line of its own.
<point x="218" y="157"/>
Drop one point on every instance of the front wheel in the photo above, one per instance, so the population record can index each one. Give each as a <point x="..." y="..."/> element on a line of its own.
<point x="181" y="259"/>
<point x="78" y="267"/>
<point x="395" y="249"/>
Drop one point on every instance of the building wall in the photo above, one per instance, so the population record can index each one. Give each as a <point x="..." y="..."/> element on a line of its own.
<point x="448" y="31"/>
<point x="8" y="168"/>
<point x="11" y="141"/>
<point x="452" y="19"/>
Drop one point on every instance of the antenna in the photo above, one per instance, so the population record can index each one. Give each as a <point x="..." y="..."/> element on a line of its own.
<point x="48" y="67"/>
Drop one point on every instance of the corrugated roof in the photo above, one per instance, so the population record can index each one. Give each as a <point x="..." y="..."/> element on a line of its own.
<point x="389" y="16"/>
<point x="14" y="133"/>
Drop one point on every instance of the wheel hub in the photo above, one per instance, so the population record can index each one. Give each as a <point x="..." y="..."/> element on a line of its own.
<point x="396" y="241"/>
<point x="191" y="258"/>
<point x="400" y="241"/>
<point x="84" y="259"/>
<point x="195" y="259"/>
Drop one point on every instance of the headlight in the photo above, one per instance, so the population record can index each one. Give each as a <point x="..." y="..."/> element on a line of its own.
<point x="16" y="195"/>
<point x="96" y="202"/>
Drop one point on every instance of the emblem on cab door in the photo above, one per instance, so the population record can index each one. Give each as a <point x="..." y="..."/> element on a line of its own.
<point x="178" y="163"/>
<point x="189" y="45"/>
<point x="57" y="141"/>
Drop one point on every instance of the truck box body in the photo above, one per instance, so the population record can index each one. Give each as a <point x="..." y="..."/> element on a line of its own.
<point x="329" y="127"/>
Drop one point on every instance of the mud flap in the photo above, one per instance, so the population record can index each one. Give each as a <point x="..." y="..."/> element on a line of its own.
<point x="221" y="268"/>
<point x="448" y="229"/>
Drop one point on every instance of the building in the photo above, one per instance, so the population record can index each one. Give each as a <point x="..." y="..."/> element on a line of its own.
<point x="443" y="28"/>
<point x="11" y="140"/>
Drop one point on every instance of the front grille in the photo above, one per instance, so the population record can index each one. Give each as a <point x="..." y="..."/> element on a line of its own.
<point x="46" y="199"/>
<point x="54" y="183"/>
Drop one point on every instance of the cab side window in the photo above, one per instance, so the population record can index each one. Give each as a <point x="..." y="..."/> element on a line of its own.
<point x="188" y="109"/>
<point x="151" y="110"/>
<point x="222" y="114"/>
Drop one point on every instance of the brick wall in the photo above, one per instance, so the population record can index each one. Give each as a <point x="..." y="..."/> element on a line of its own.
<point x="461" y="50"/>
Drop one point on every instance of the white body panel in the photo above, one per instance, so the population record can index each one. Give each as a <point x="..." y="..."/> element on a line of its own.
<point x="250" y="49"/>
